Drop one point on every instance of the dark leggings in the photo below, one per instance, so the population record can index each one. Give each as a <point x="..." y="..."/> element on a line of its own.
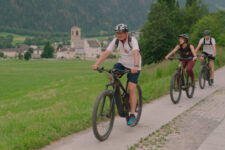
<point x="190" y="64"/>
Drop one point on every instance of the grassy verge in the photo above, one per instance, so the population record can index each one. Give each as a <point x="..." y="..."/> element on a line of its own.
<point x="42" y="101"/>
<point x="155" y="79"/>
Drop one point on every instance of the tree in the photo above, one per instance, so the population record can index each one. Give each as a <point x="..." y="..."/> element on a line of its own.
<point x="1" y="54"/>
<point x="159" y="35"/>
<point x="190" y="2"/>
<point x="221" y="40"/>
<point x="213" y="22"/>
<point x="48" y="51"/>
<point x="177" y="4"/>
<point x="20" y="56"/>
<point x="169" y="3"/>
<point x="6" y="42"/>
<point x="185" y="18"/>
<point x="27" y="55"/>
<point x="59" y="46"/>
<point x="192" y="14"/>
<point x="31" y="50"/>
<point x="28" y="41"/>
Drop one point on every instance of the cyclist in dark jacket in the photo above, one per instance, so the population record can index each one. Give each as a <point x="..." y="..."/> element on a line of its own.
<point x="186" y="50"/>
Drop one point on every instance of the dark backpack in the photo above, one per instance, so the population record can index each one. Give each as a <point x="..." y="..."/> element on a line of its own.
<point x="209" y="43"/>
<point x="129" y="42"/>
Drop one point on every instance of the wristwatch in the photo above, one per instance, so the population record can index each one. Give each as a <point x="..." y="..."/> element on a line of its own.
<point x="136" y="65"/>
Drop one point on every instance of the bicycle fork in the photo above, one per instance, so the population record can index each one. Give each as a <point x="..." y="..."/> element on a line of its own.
<point x="103" y="104"/>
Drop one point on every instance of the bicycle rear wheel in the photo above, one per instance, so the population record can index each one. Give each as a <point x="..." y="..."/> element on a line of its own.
<point x="202" y="77"/>
<point x="103" y="116"/>
<point x="190" y="89"/>
<point x="175" y="88"/>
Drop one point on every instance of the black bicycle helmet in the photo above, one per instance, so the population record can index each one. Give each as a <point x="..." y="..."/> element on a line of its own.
<point x="207" y="32"/>
<point x="121" y="28"/>
<point x="185" y="36"/>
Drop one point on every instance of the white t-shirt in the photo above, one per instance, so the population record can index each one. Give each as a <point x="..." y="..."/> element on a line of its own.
<point x="126" y="57"/>
<point x="208" y="48"/>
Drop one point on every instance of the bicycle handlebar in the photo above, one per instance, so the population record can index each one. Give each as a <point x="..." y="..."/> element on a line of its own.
<point x="180" y="58"/>
<point x="113" y="71"/>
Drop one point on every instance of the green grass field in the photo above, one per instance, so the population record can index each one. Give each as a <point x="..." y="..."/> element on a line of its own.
<point x="42" y="101"/>
<point x="18" y="39"/>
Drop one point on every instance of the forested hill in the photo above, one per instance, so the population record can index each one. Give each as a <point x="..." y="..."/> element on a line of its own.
<point x="93" y="16"/>
<point x="214" y="5"/>
<point x="59" y="15"/>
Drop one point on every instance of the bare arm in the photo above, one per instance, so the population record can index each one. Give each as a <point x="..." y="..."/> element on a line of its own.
<point x="193" y="52"/>
<point x="136" y="57"/>
<point x="136" y="61"/>
<point x="214" y="49"/>
<point x="199" y="45"/>
<point x="104" y="55"/>
<point x="173" y="51"/>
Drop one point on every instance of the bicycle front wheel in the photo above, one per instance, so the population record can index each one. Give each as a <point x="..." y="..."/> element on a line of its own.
<point x="103" y="115"/>
<point x="190" y="89"/>
<point x="175" y="88"/>
<point x="202" y="77"/>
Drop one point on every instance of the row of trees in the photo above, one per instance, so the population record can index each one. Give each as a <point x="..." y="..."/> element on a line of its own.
<point x="41" y="40"/>
<point x="167" y="20"/>
<point x="6" y="41"/>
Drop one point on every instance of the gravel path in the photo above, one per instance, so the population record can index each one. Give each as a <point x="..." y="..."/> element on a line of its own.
<point x="155" y="115"/>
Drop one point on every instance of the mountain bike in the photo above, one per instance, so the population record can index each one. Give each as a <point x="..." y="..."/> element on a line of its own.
<point x="204" y="72"/>
<point x="181" y="81"/>
<point x="104" y="108"/>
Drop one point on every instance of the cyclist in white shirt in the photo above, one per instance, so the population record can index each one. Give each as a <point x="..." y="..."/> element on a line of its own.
<point x="129" y="58"/>
<point x="209" y="50"/>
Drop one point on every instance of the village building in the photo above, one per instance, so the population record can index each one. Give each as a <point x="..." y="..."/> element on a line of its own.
<point x="37" y="53"/>
<point x="80" y="48"/>
<point x="65" y="52"/>
<point x="21" y="49"/>
<point x="14" y="52"/>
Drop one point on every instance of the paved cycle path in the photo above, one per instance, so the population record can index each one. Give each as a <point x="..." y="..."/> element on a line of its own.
<point x="154" y="115"/>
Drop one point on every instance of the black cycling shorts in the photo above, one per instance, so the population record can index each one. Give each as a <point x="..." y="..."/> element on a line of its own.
<point x="210" y="57"/>
<point x="131" y="77"/>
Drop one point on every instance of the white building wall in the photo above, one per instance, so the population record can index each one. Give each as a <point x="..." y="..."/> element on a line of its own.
<point x="10" y="53"/>
<point x="66" y="54"/>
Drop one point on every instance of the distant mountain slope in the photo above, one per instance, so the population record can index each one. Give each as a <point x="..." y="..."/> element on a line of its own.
<point x="93" y="16"/>
<point x="214" y="5"/>
<point x="60" y="15"/>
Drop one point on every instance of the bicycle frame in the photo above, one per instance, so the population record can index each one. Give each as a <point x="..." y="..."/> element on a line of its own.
<point x="182" y="74"/>
<point x="206" y="62"/>
<point x="207" y="66"/>
<point x="117" y="96"/>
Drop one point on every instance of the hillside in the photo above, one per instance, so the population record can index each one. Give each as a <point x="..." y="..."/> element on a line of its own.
<point x="60" y="15"/>
<point x="215" y="4"/>
<point x="93" y="16"/>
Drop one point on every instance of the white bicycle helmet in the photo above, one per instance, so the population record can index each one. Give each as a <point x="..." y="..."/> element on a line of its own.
<point x="121" y="28"/>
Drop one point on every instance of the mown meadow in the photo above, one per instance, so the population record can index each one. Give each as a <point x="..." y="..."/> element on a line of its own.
<point x="44" y="100"/>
